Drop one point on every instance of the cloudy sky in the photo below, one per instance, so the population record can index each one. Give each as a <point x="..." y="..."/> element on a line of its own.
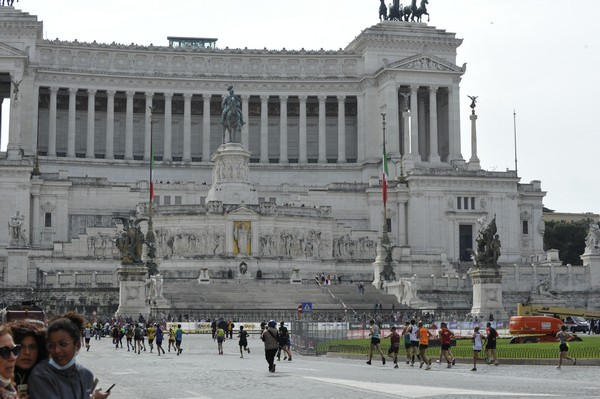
<point x="538" y="58"/>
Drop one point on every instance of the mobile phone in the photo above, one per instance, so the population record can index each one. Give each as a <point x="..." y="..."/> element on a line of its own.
<point x="94" y="384"/>
<point x="111" y="387"/>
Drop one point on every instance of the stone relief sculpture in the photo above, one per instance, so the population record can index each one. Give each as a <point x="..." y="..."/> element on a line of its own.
<point x="544" y="290"/>
<point x="592" y="240"/>
<point x="16" y="231"/>
<point x="101" y="246"/>
<point x="408" y="290"/>
<point x="182" y="243"/>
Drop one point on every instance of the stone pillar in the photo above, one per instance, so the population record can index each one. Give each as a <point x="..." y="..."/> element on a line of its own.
<point x="91" y="117"/>
<point x="206" y="127"/>
<point x="302" y="156"/>
<point x="148" y="125"/>
<point x="167" y="156"/>
<point x="393" y="126"/>
<point x="129" y="126"/>
<point x="13" y="148"/>
<point x="591" y="261"/>
<point x="434" y="155"/>
<point x="110" y="124"/>
<point x="341" y="129"/>
<point x="71" y="122"/>
<point x="283" y="130"/>
<point x="132" y="292"/>
<point x="187" y="127"/>
<point x="414" y="124"/>
<point x="36" y="184"/>
<point x="454" y="123"/>
<point x="322" y="130"/>
<point x="360" y="123"/>
<point x="52" y="123"/>
<point x="474" y="161"/>
<point x="487" y="293"/>
<point x="246" y="128"/>
<point x="17" y="264"/>
<point x="264" y="129"/>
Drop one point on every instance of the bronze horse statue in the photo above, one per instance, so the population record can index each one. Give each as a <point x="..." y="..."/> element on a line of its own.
<point x="422" y="10"/>
<point x="383" y="11"/>
<point x="232" y="119"/>
<point x="410" y="10"/>
<point x="395" y="11"/>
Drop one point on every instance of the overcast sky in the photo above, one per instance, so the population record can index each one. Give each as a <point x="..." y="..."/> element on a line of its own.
<point x="539" y="58"/>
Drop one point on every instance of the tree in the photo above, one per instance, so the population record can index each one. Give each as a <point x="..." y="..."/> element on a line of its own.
<point x="568" y="238"/>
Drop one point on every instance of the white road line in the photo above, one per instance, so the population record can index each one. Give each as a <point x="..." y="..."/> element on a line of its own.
<point x="416" y="391"/>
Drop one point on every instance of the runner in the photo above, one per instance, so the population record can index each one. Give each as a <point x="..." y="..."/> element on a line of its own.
<point x="424" y="335"/>
<point x="478" y="341"/>
<point x="375" y="342"/>
<point x="563" y="336"/>
<point x="446" y="336"/>
<point x="394" y="345"/>
<point x="151" y="332"/>
<point x="220" y="339"/>
<point x="243" y="335"/>
<point x="129" y="337"/>
<point x="137" y="336"/>
<point x="414" y="342"/>
<point x="172" y="339"/>
<point x="284" y="343"/>
<point x="178" y="339"/>
<point x="159" y="339"/>
<point x="407" y="345"/>
<point x="490" y="346"/>
<point x="87" y="334"/>
<point x="116" y="331"/>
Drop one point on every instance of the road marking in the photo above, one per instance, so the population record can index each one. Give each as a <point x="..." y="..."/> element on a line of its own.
<point x="416" y="391"/>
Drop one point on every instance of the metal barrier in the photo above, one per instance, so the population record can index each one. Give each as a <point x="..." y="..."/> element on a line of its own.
<point x="308" y="336"/>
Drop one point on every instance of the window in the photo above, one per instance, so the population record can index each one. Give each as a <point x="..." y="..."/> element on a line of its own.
<point x="525" y="227"/>
<point x="466" y="201"/>
<point x="157" y="199"/>
<point x="472" y="202"/>
<point x="458" y="203"/>
<point x="48" y="219"/>
<point x="388" y="225"/>
<point x="178" y="200"/>
<point x="167" y="200"/>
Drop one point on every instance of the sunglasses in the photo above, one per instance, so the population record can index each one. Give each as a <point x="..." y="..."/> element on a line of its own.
<point x="5" y="351"/>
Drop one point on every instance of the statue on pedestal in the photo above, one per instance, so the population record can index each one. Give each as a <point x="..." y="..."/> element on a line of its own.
<point x="16" y="232"/>
<point x="488" y="246"/>
<point x="592" y="240"/>
<point x="232" y="118"/>
<point x="130" y="241"/>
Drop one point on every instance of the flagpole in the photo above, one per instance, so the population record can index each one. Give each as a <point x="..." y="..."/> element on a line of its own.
<point x="150" y="238"/>
<point x="384" y="183"/>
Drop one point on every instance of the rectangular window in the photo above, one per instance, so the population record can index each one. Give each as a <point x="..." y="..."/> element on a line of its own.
<point x="525" y="227"/>
<point x="156" y="200"/>
<point x="388" y="225"/>
<point x="48" y="219"/>
<point x="167" y="200"/>
<point x="466" y="200"/>
<point x="472" y="202"/>
<point x="459" y="202"/>
<point x="178" y="200"/>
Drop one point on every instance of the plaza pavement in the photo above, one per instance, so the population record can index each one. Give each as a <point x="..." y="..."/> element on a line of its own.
<point x="200" y="373"/>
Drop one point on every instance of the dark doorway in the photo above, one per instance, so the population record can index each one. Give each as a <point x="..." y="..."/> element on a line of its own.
<point x="465" y="232"/>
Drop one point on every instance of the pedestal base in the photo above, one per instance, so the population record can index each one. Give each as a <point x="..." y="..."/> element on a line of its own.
<point x="204" y="277"/>
<point x="487" y="293"/>
<point x="295" y="278"/>
<point x="592" y="262"/>
<point x="17" y="265"/>
<point x="132" y="292"/>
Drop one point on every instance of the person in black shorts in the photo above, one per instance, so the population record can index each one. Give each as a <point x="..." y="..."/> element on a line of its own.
<point x="394" y="345"/>
<point x="490" y="345"/>
<point x="375" y="342"/>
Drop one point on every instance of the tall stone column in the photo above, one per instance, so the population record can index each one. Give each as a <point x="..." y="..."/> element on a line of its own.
<point x="52" y="123"/>
<point x="167" y="156"/>
<point x="434" y="155"/>
<point x="302" y="156"/>
<point x="206" y="127"/>
<point x="322" y="130"/>
<point x="36" y="184"/>
<point x="91" y="117"/>
<point x="360" y="123"/>
<point x="392" y="123"/>
<point x="341" y="129"/>
<point x="71" y="122"/>
<point x="187" y="127"/>
<point x="414" y="124"/>
<point x="474" y="161"/>
<point x="264" y="129"/>
<point x="246" y="127"/>
<point x="14" y="148"/>
<point x="454" y="123"/>
<point x="148" y="125"/>
<point x="110" y="124"/>
<point x="129" y="126"/>
<point x="283" y="129"/>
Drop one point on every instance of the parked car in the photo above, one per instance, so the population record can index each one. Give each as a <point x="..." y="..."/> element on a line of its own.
<point x="577" y="324"/>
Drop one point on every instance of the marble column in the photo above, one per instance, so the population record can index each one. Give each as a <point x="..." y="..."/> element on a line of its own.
<point x="187" y="127"/>
<point x="129" y="126"/>
<point x="434" y="155"/>
<point x="36" y="184"/>
<point x="264" y="129"/>
<point x="454" y="123"/>
<point x="360" y="122"/>
<point x="474" y="161"/>
<point x="302" y="158"/>
<point x="167" y="156"/>
<point x="392" y="123"/>
<point x="341" y="129"/>
<point x="148" y="125"/>
<point x="406" y="125"/>
<point x="283" y="129"/>
<point x="91" y="116"/>
<point x="52" y="123"/>
<point x="110" y="124"/>
<point x="246" y="127"/>
<point x="71" y="122"/>
<point x="206" y="127"/>
<point x="13" y="147"/>
<point x="414" y="124"/>
<point x="322" y="130"/>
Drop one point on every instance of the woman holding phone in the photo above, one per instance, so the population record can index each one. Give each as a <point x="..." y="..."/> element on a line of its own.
<point x="61" y="377"/>
<point x="31" y="336"/>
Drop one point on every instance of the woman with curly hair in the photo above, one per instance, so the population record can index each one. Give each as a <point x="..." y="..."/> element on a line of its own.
<point x="32" y="338"/>
<point x="8" y="358"/>
<point x="61" y="377"/>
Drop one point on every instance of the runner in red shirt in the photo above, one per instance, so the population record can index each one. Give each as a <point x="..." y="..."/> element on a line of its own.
<point x="446" y="336"/>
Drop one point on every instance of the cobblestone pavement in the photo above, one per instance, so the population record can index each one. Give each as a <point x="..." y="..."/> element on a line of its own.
<point x="200" y="373"/>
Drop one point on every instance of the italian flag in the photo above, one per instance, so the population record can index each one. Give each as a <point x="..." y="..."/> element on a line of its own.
<point x="384" y="176"/>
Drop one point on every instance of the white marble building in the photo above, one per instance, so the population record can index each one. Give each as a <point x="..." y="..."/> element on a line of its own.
<point x="314" y="134"/>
